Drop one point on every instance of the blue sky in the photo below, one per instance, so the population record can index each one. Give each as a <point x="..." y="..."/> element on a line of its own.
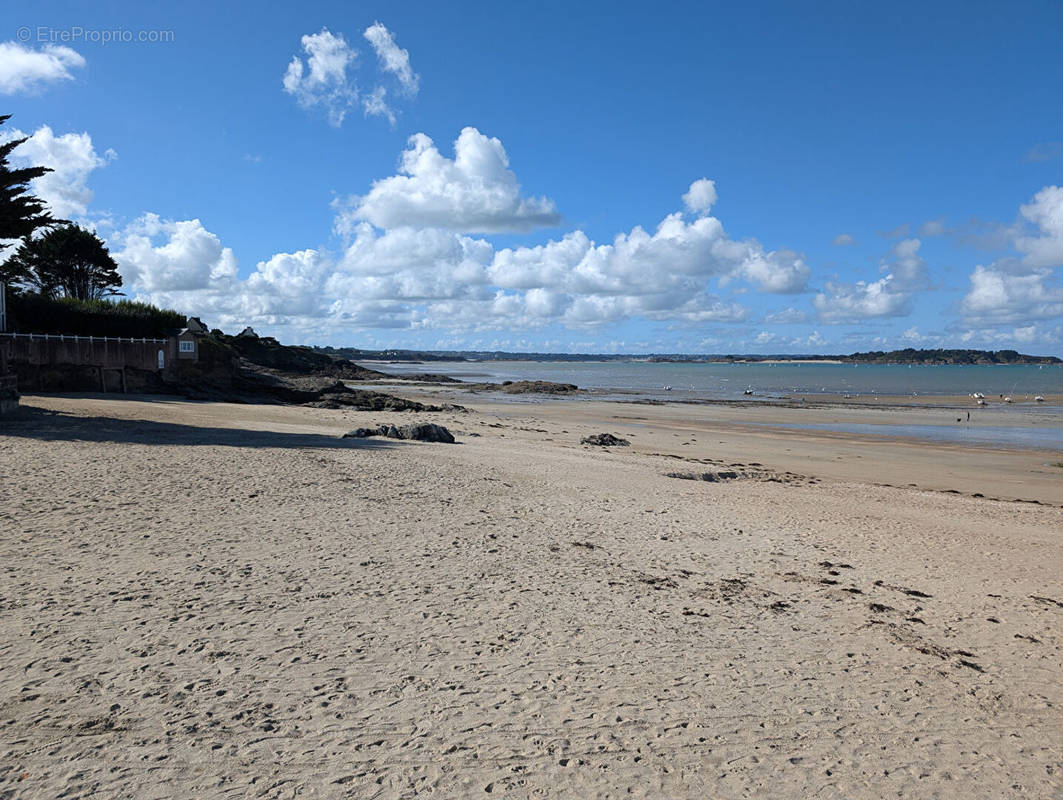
<point x="457" y="176"/>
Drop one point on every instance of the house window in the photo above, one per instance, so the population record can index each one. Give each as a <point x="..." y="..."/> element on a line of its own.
<point x="187" y="347"/>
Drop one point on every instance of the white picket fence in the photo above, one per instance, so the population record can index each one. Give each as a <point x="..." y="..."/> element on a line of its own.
<point x="62" y="337"/>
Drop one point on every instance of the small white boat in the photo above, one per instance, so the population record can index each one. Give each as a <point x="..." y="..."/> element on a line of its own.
<point x="1039" y="399"/>
<point x="1007" y="398"/>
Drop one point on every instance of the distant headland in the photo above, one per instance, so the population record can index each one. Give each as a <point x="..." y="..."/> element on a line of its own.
<point x="906" y="356"/>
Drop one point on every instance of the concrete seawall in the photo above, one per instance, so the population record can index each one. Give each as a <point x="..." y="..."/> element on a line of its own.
<point x="60" y="363"/>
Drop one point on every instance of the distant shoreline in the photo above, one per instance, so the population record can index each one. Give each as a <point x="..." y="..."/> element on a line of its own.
<point x="790" y="361"/>
<point x="938" y="357"/>
<point x="551" y="359"/>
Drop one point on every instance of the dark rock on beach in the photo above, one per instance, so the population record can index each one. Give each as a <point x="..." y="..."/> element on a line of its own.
<point x="710" y="477"/>
<point x="605" y="440"/>
<point x="538" y="387"/>
<point x="421" y="377"/>
<point x="422" y="432"/>
<point x="524" y="387"/>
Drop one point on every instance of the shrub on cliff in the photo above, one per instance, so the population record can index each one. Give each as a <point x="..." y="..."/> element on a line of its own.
<point x="34" y="313"/>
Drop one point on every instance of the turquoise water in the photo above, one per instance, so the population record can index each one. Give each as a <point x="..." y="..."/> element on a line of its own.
<point x="729" y="381"/>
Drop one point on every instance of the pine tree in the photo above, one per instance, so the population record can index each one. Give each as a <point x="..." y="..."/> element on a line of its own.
<point x="21" y="213"/>
<point x="68" y="261"/>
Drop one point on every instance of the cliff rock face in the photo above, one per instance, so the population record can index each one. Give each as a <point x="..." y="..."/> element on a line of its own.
<point x="268" y="352"/>
<point x="321" y="392"/>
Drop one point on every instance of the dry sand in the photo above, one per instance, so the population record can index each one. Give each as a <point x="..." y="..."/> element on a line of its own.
<point x="206" y="600"/>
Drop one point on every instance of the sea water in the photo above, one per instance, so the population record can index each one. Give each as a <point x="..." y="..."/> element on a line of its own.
<point x="667" y="380"/>
<point x="1025" y="424"/>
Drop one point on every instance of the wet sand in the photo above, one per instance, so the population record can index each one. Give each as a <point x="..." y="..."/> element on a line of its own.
<point x="209" y="600"/>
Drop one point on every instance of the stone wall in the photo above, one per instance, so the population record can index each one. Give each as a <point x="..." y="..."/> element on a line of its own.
<point x="88" y="351"/>
<point x="8" y="394"/>
<point x="94" y="364"/>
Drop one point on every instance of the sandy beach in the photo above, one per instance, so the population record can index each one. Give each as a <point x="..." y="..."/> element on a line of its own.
<point x="205" y="600"/>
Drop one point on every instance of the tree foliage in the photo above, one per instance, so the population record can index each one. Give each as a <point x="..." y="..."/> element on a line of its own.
<point x="912" y="356"/>
<point x="67" y="261"/>
<point x="21" y="213"/>
<point x="34" y="313"/>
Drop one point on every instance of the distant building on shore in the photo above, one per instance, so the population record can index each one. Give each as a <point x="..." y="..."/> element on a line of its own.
<point x="196" y="326"/>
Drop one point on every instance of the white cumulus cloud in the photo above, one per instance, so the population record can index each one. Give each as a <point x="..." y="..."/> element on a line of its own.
<point x="429" y="277"/>
<point x="890" y="296"/>
<point x="326" y="74"/>
<point x="678" y="257"/>
<point x="413" y="259"/>
<point x="475" y="192"/>
<point x="180" y="264"/>
<point x="787" y="316"/>
<point x="1027" y="287"/>
<point x="287" y="285"/>
<point x="933" y="227"/>
<point x="996" y="296"/>
<point x="324" y="77"/>
<point x="701" y="196"/>
<point x="1046" y="212"/>
<point x="906" y="265"/>
<point x="856" y="302"/>
<point x="23" y="69"/>
<point x="71" y="157"/>
<point x="392" y="58"/>
<point x="164" y="256"/>
<point x="375" y="104"/>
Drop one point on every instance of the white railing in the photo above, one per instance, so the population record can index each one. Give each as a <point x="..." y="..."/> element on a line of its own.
<point x="65" y="337"/>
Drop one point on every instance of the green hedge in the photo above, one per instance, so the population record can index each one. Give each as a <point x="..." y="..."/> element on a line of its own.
<point x="32" y="313"/>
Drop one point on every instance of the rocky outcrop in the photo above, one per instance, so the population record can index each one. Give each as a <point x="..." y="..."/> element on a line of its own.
<point x="422" y="377"/>
<point x="538" y="387"/>
<point x="321" y="392"/>
<point x="420" y="432"/>
<point x="525" y="387"/>
<point x="604" y="440"/>
<point x="264" y="351"/>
